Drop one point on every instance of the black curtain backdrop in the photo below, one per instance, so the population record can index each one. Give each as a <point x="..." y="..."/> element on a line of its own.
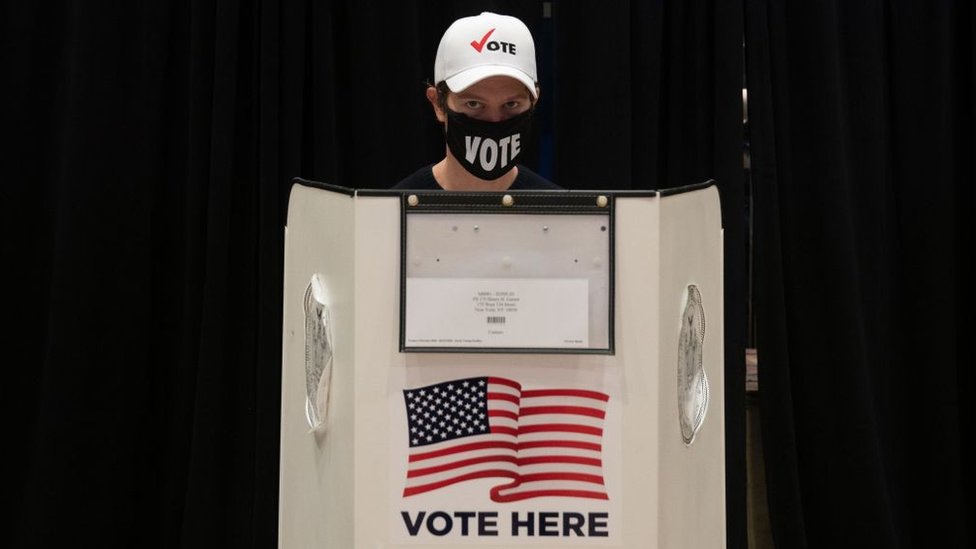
<point x="150" y="148"/>
<point x="861" y="124"/>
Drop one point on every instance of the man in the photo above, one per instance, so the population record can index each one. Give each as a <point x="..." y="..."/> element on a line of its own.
<point x="485" y="89"/>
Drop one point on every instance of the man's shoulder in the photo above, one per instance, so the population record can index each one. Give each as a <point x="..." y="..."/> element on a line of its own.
<point x="423" y="179"/>
<point x="420" y="179"/>
<point x="529" y="180"/>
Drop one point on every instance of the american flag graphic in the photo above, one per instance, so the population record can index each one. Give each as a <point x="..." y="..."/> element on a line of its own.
<point x="547" y="442"/>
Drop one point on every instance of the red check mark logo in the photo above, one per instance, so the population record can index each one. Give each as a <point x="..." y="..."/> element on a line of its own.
<point x="479" y="45"/>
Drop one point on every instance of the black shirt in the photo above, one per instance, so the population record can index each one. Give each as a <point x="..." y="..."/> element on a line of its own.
<point x="423" y="179"/>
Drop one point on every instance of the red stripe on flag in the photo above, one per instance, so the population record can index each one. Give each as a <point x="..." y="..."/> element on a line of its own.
<point x="565" y="392"/>
<point x="560" y="428"/>
<point x="463" y="448"/>
<point x="560" y="444"/>
<point x="518" y="495"/>
<point x="529" y="494"/>
<point x="410" y="491"/>
<point x="458" y="464"/>
<point x="514" y="399"/>
<point x="569" y="410"/>
<point x="507" y="382"/>
<point x="577" y="477"/>
<point x="503" y="413"/>
<point x="560" y="459"/>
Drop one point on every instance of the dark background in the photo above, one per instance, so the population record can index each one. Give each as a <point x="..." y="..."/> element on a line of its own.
<point x="148" y="158"/>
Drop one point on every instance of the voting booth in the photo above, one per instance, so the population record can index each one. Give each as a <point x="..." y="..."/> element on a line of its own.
<point x="514" y="369"/>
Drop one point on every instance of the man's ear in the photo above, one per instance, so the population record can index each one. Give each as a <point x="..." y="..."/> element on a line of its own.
<point x="434" y="102"/>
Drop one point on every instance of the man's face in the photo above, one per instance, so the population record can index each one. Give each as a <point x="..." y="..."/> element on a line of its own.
<point x="493" y="99"/>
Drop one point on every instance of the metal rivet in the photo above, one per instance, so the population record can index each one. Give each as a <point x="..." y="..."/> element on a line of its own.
<point x="475" y="228"/>
<point x="413" y="200"/>
<point x="545" y="228"/>
<point x="601" y="201"/>
<point x="507" y="200"/>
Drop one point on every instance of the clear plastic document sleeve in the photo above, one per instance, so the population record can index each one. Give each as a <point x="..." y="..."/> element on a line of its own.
<point x="507" y="281"/>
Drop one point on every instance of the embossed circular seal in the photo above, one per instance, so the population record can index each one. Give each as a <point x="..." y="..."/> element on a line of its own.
<point x="318" y="351"/>
<point x="692" y="382"/>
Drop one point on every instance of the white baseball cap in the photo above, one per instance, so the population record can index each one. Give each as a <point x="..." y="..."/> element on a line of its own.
<point x="477" y="47"/>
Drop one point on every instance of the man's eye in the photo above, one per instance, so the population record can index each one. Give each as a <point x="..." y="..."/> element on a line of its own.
<point x="512" y="105"/>
<point x="472" y="104"/>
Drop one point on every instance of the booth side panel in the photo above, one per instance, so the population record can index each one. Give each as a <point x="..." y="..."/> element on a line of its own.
<point x="377" y="344"/>
<point x="316" y="481"/>
<point x="692" y="475"/>
<point x="637" y="274"/>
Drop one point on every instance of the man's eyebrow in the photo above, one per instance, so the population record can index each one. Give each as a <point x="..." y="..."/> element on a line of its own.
<point x="468" y="95"/>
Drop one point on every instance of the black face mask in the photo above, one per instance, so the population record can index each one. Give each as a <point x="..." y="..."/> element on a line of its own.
<point x="487" y="149"/>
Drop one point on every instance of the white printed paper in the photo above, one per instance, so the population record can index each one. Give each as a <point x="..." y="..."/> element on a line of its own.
<point x="497" y="312"/>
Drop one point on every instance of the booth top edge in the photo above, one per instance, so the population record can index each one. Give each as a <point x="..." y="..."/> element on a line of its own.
<point x="390" y="192"/>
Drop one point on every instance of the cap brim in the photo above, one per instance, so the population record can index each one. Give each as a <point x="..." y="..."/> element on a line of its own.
<point x="465" y="79"/>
